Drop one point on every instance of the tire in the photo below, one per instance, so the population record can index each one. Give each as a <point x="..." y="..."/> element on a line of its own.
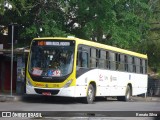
<point x="90" y="95"/>
<point x="127" y="96"/>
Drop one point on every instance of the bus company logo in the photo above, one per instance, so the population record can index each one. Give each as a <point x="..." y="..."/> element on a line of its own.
<point x="6" y="114"/>
<point x="100" y="77"/>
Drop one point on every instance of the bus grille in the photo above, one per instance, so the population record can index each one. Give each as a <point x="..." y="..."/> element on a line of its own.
<point x="41" y="91"/>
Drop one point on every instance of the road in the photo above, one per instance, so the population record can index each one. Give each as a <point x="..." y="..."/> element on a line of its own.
<point x="78" y="109"/>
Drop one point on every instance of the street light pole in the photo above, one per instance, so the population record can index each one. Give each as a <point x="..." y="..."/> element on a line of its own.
<point x="12" y="58"/>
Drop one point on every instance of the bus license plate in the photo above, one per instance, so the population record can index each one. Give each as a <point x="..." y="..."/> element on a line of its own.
<point x="46" y="93"/>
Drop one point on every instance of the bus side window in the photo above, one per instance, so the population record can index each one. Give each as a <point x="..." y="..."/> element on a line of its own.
<point x="122" y="63"/>
<point x="84" y="59"/>
<point x="97" y="57"/>
<point x="78" y="59"/>
<point x="108" y="66"/>
<point x="102" y="59"/>
<point x="126" y="63"/>
<point x="145" y="64"/>
<point x="112" y="60"/>
<point x="141" y="67"/>
<point x="138" y="65"/>
<point x="117" y="62"/>
<point x="134" y="66"/>
<point x="130" y="67"/>
<point x="92" y="58"/>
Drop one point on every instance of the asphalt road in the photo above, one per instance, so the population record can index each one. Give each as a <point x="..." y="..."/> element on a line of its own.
<point x="53" y="107"/>
<point x="45" y="103"/>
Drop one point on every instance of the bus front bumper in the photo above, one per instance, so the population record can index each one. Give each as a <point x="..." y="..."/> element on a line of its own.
<point x="78" y="91"/>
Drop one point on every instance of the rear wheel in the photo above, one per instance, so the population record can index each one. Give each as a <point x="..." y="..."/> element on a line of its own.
<point x="90" y="95"/>
<point x="127" y="96"/>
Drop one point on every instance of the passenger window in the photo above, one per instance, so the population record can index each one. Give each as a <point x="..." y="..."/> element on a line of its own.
<point x="82" y="59"/>
<point x="112" y="60"/>
<point x="126" y="62"/>
<point x="93" y="61"/>
<point x="138" y="65"/>
<point x="141" y="67"/>
<point x="134" y="66"/>
<point x="102" y="59"/>
<point x="85" y="59"/>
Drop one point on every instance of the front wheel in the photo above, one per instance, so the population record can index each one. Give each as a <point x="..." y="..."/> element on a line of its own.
<point x="90" y="95"/>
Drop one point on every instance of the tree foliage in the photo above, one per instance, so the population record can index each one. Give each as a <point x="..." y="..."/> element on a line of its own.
<point x="35" y="18"/>
<point x="115" y="22"/>
<point x="121" y="23"/>
<point x="153" y="44"/>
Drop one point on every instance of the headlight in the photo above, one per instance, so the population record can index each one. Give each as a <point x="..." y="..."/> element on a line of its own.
<point x="68" y="83"/>
<point x="28" y="82"/>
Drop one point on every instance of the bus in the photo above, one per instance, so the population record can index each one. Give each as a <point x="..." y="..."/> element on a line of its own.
<point x="73" y="67"/>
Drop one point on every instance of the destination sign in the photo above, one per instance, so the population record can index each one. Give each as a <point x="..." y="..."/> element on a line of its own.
<point x="58" y="43"/>
<point x="53" y="43"/>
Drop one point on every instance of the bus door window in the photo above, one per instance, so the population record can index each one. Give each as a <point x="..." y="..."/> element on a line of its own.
<point x="78" y="61"/>
<point x="82" y="59"/>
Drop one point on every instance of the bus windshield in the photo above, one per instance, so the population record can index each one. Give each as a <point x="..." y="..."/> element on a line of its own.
<point x="51" y="59"/>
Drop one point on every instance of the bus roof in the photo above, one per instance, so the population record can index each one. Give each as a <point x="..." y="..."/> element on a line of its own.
<point x="98" y="45"/>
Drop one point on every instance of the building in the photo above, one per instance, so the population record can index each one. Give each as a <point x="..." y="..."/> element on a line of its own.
<point x="19" y="62"/>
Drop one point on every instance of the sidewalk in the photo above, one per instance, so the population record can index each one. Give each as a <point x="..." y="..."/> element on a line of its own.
<point x="17" y="97"/>
<point x="147" y="99"/>
<point x="9" y="97"/>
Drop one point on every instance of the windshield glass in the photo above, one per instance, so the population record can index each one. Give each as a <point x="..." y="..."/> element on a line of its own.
<point x="53" y="59"/>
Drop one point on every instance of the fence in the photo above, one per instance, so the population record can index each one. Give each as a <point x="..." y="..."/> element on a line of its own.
<point x="153" y="87"/>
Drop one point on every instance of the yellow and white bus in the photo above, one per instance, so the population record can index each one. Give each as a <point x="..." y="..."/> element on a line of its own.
<point x="74" y="67"/>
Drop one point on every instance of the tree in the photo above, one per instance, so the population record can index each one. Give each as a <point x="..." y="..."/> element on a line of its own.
<point x="118" y="23"/>
<point x="115" y="22"/>
<point x="153" y="44"/>
<point x="35" y="18"/>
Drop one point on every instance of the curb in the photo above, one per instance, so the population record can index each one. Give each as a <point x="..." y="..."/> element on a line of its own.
<point x="147" y="99"/>
<point x="7" y="98"/>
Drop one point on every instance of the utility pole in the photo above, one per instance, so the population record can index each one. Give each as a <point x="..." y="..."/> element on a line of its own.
<point x="12" y="57"/>
<point x="11" y="33"/>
